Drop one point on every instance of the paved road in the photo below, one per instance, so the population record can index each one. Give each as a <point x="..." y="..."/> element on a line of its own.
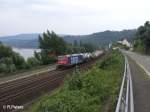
<point x="141" y="81"/>
<point x="142" y="60"/>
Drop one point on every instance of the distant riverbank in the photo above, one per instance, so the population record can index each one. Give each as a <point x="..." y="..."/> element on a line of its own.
<point x="25" y="52"/>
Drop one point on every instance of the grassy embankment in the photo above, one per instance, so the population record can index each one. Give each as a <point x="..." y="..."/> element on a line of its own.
<point x="92" y="91"/>
<point x="24" y="72"/>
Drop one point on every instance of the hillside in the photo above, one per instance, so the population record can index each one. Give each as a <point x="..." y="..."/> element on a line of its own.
<point x="21" y="40"/>
<point x="103" y="37"/>
<point x="99" y="38"/>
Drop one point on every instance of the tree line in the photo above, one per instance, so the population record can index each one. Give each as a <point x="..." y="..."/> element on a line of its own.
<point x="51" y="46"/>
<point x="10" y="61"/>
<point x="142" y="38"/>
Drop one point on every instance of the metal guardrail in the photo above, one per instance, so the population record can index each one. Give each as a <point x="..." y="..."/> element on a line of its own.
<point x="125" y="101"/>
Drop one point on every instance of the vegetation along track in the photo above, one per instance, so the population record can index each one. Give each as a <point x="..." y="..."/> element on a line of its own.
<point x="24" y="90"/>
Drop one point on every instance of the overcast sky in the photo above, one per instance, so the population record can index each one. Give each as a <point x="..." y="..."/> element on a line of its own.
<point x="71" y="16"/>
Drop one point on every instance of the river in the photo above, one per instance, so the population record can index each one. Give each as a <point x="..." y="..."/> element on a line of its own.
<point x="26" y="53"/>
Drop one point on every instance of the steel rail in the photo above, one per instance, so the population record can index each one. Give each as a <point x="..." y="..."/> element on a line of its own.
<point x="24" y="94"/>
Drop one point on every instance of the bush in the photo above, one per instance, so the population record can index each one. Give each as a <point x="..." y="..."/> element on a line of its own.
<point x="75" y="83"/>
<point x="32" y="62"/>
<point x="18" y="61"/>
<point x="11" y="68"/>
<point x="111" y="60"/>
<point x="7" y="60"/>
<point x="3" y="67"/>
<point x="5" y="51"/>
<point x="10" y="60"/>
<point x="7" y="68"/>
<point x="7" y="65"/>
<point x="69" y="101"/>
<point x="88" y="91"/>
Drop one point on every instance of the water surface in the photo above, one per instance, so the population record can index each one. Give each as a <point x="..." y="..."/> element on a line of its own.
<point x="26" y="53"/>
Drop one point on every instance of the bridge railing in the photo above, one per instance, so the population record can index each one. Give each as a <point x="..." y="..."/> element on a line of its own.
<point x="125" y="100"/>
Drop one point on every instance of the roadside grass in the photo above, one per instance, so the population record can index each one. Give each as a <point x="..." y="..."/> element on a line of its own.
<point x="87" y="91"/>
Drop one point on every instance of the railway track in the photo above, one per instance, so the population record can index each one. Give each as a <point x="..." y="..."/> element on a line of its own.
<point x="20" y="92"/>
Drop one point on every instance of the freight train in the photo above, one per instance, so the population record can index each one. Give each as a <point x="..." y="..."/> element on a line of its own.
<point x="66" y="61"/>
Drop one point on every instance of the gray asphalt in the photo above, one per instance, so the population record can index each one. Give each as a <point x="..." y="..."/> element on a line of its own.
<point x="141" y="81"/>
<point x="142" y="60"/>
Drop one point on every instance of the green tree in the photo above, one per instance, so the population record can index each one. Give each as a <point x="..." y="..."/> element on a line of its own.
<point x="88" y="47"/>
<point x="7" y="65"/>
<point x="10" y="60"/>
<point x="7" y="60"/>
<point x="5" y="51"/>
<point x="143" y="35"/>
<point x="37" y="55"/>
<point x="138" y="45"/>
<point x="75" y="43"/>
<point x="3" y="67"/>
<point x="18" y="60"/>
<point x="51" y="45"/>
<point x="81" y="43"/>
<point x="70" y="49"/>
<point x="52" y="42"/>
<point x="32" y="62"/>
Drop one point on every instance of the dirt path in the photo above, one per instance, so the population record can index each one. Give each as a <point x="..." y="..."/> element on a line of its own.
<point x="141" y="87"/>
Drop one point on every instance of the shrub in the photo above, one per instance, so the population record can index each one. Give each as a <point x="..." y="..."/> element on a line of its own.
<point x="7" y="68"/>
<point x="3" y="67"/>
<point x="10" y="60"/>
<point x="7" y="60"/>
<point x="111" y="60"/>
<point x="32" y="62"/>
<point x="11" y="68"/>
<point x="18" y="61"/>
<point x="88" y="91"/>
<point x="75" y="83"/>
<point x="45" y="59"/>
<point x="5" y="51"/>
<point x="69" y="101"/>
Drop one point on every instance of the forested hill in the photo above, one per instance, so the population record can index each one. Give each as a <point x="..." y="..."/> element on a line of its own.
<point x="21" y="40"/>
<point x="101" y="38"/>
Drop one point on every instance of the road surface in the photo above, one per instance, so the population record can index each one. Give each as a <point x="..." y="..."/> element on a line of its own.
<point x="140" y="69"/>
<point x="142" y="60"/>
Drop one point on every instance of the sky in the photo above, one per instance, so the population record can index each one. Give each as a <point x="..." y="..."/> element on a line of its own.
<point x="77" y="17"/>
